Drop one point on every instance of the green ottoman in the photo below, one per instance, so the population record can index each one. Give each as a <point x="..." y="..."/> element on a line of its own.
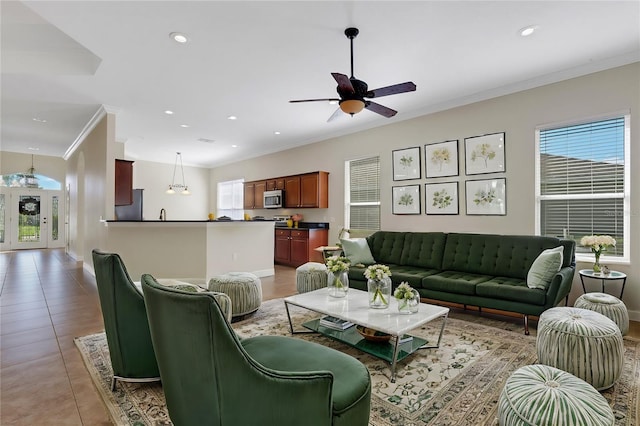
<point x="540" y="395"/>
<point x="311" y="276"/>
<point x="608" y="305"/>
<point x="581" y="342"/>
<point x="243" y="288"/>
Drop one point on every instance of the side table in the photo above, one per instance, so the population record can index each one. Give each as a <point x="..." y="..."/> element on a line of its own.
<point x="612" y="275"/>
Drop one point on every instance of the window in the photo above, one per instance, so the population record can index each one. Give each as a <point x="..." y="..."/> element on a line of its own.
<point x="582" y="183"/>
<point x="230" y="199"/>
<point x="362" y="194"/>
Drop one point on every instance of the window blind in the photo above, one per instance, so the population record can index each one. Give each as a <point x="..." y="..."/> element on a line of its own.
<point x="230" y="199"/>
<point x="581" y="186"/>
<point x="364" y="193"/>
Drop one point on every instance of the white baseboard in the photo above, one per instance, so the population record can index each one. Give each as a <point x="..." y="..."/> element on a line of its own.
<point x="634" y="316"/>
<point x="264" y="272"/>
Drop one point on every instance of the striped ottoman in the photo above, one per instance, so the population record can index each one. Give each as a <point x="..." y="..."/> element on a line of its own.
<point x="608" y="305"/>
<point x="311" y="276"/>
<point x="581" y="342"/>
<point x="243" y="288"/>
<point x="537" y="395"/>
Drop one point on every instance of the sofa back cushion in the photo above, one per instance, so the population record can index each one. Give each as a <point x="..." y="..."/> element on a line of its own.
<point x="423" y="249"/>
<point x="386" y="246"/>
<point x="498" y="255"/>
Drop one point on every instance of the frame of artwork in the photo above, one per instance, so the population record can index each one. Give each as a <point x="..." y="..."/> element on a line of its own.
<point x="406" y="199"/>
<point x="441" y="159"/>
<point x="441" y="198"/>
<point x="487" y="197"/>
<point x="406" y="164"/>
<point x="485" y="154"/>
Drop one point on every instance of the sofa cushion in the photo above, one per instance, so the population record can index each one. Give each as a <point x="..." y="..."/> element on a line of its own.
<point x="386" y="246"/>
<point x="411" y="274"/>
<point x="357" y="251"/>
<point x="544" y="268"/>
<point x="423" y="249"/>
<point x="496" y="255"/>
<point x="512" y="289"/>
<point x="454" y="282"/>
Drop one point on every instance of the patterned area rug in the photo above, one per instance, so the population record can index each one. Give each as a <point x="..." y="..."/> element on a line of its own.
<point x="456" y="384"/>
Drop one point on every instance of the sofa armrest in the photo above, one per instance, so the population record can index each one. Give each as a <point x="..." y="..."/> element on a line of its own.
<point x="560" y="285"/>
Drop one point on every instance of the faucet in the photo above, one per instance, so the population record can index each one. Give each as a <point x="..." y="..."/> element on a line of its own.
<point x="163" y="214"/>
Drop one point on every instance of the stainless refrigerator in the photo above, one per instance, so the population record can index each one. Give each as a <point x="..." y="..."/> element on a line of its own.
<point x="134" y="210"/>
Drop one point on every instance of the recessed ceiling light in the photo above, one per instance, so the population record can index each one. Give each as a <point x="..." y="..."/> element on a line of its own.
<point x="33" y="149"/>
<point x="184" y="125"/>
<point x="179" y="37"/>
<point x="39" y="120"/>
<point x="232" y="117"/>
<point x="168" y="112"/>
<point x="234" y="146"/>
<point x="276" y="132"/>
<point x="527" y="31"/>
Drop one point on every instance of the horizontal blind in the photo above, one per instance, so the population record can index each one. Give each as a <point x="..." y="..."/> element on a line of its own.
<point x="582" y="181"/>
<point x="364" y="193"/>
<point x="231" y="199"/>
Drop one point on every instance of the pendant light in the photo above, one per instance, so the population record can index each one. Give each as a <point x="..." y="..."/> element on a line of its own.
<point x="182" y="187"/>
<point x="30" y="179"/>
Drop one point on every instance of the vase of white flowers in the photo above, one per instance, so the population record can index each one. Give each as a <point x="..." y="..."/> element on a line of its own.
<point x="598" y="244"/>
<point x="337" y="276"/>
<point x="407" y="297"/>
<point x="379" y="286"/>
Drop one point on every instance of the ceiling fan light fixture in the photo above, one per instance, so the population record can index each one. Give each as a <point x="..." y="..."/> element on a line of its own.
<point x="352" y="106"/>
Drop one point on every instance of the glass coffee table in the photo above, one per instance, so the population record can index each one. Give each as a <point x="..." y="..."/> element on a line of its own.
<point x="355" y="308"/>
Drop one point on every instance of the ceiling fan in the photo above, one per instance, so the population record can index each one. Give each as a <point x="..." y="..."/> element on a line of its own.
<point x="353" y="91"/>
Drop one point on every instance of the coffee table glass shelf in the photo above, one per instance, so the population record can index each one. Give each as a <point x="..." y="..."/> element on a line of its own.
<point x="355" y="308"/>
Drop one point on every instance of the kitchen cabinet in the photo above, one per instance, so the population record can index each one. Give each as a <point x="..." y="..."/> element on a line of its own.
<point x="309" y="190"/>
<point x="254" y="194"/>
<point x="273" y="184"/>
<point x="123" y="182"/>
<point x="295" y="247"/>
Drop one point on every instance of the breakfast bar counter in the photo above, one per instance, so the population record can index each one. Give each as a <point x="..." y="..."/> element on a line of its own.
<point x="191" y="248"/>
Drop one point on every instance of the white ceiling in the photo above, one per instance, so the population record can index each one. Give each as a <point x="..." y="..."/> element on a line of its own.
<point x="62" y="60"/>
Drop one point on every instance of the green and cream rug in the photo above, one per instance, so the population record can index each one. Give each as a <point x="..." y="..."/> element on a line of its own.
<point x="456" y="384"/>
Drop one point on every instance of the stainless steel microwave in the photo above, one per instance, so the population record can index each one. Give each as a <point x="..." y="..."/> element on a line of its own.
<point x="273" y="199"/>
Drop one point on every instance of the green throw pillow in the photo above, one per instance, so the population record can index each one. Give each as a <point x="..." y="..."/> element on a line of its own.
<point x="357" y="251"/>
<point x="544" y="268"/>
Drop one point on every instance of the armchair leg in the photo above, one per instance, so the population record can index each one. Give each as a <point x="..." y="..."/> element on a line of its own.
<point x="113" y="384"/>
<point x="526" y="325"/>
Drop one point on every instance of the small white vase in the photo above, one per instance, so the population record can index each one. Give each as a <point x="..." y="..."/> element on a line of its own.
<point x="338" y="283"/>
<point x="379" y="293"/>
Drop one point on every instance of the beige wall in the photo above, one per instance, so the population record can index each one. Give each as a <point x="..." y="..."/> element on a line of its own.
<point x="612" y="91"/>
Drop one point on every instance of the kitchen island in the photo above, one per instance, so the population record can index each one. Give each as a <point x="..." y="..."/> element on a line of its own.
<point x="191" y="248"/>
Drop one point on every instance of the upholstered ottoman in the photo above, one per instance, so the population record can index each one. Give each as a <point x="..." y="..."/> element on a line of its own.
<point x="311" y="276"/>
<point x="581" y="342"/>
<point x="243" y="288"/>
<point x="608" y="305"/>
<point x="541" y="395"/>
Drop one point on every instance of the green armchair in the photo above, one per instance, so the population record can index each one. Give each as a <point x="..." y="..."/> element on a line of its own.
<point x="211" y="377"/>
<point x="125" y="322"/>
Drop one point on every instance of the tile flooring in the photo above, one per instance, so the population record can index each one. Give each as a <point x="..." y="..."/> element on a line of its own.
<point x="46" y="300"/>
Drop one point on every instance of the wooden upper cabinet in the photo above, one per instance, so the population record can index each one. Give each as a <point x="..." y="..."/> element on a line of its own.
<point x="249" y="192"/>
<point x="123" y="183"/>
<point x="314" y="190"/>
<point x="254" y="194"/>
<point x="292" y="191"/>
<point x="273" y="184"/>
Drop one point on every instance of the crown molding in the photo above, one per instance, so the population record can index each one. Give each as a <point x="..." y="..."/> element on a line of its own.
<point x="91" y="124"/>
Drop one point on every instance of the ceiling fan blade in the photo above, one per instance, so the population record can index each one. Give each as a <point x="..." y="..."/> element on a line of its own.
<point x="344" y="84"/>
<point x="337" y="113"/>
<point x="315" y="100"/>
<point x="409" y="86"/>
<point x="380" y="109"/>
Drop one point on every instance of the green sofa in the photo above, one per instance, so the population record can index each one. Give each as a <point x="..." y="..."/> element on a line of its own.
<point x="484" y="270"/>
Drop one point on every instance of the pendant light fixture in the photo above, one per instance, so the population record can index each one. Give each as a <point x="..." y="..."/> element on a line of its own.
<point x="182" y="187"/>
<point x="30" y="179"/>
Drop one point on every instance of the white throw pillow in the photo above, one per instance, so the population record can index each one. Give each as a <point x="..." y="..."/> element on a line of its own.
<point x="357" y="251"/>
<point x="545" y="267"/>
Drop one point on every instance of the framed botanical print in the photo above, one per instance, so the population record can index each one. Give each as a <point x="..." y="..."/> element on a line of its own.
<point x="441" y="159"/>
<point x="406" y="164"/>
<point x="441" y="198"/>
<point x="486" y="197"/>
<point x="485" y="154"/>
<point x="406" y="199"/>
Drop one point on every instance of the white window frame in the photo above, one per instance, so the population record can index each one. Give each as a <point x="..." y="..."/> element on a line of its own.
<point x="347" y="192"/>
<point x="233" y="212"/>
<point x="626" y="195"/>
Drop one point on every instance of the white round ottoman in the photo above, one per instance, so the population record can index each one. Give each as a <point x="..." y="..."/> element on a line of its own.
<point x="311" y="276"/>
<point x="243" y="288"/>
<point x="540" y="395"/>
<point x="581" y="342"/>
<point x="607" y="305"/>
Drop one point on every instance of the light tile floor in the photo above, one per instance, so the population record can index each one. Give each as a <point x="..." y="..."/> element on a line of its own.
<point x="46" y="300"/>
